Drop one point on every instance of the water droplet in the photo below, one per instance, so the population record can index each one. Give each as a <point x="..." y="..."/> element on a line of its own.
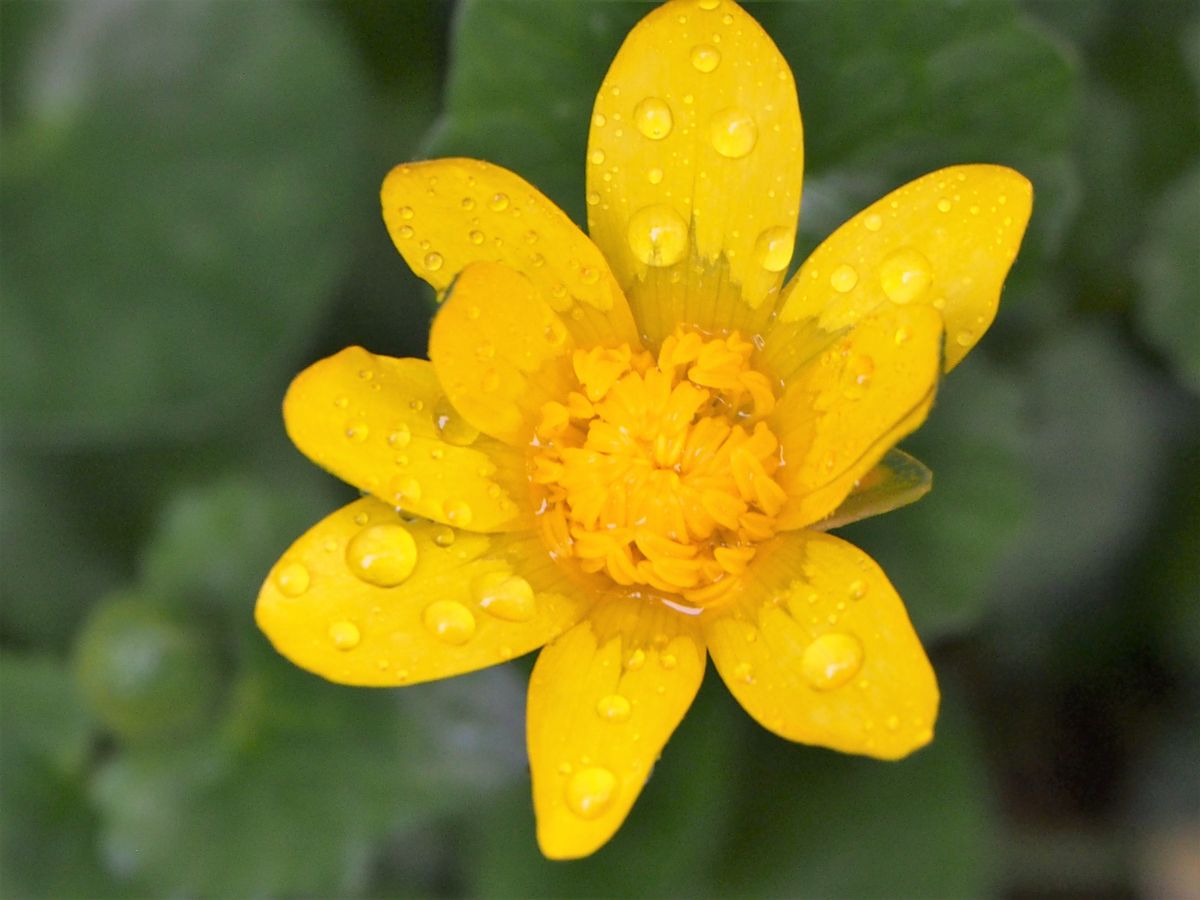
<point x="443" y="536"/>
<point x="613" y="708"/>
<point x="407" y="490"/>
<point x="505" y="596"/>
<point x="655" y="176"/>
<point x="589" y="275"/>
<point x="341" y="402"/>
<point x="832" y="660"/>
<point x="453" y="427"/>
<point x="599" y="120"/>
<point x="593" y="198"/>
<point x="944" y="205"/>
<point x="344" y="635"/>
<point x="449" y="621"/>
<point x="744" y="673"/>
<point x="382" y="555"/>
<point x="458" y="512"/>
<point x="708" y="4"/>
<point x="498" y="202"/>
<point x="406" y="231"/>
<point x="705" y="57"/>
<point x="658" y="235"/>
<point x="905" y="275"/>
<point x="964" y="338"/>
<point x="668" y="661"/>
<point x="357" y="432"/>
<point x="293" y="579"/>
<point x="476" y="237"/>
<point x="843" y="278"/>
<point x="733" y="132"/>
<point x="653" y="118"/>
<point x="433" y="261"/>
<point x="873" y="222"/>
<point x="591" y="791"/>
<point x="635" y="660"/>
<point x="858" y="589"/>
<point x="901" y="336"/>
<point x="406" y="212"/>
<point x="400" y="437"/>
<point x="597" y="157"/>
<point x="773" y="249"/>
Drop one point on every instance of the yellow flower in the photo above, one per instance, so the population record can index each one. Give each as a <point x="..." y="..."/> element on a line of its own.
<point x="627" y="448"/>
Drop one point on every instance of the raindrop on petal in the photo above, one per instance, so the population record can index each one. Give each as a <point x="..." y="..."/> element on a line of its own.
<point x="591" y="791"/>
<point x="382" y="555"/>
<point x="832" y="660"/>
<point x="449" y="621"/>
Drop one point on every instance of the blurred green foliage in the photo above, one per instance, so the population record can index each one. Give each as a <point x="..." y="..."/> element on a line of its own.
<point x="187" y="198"/>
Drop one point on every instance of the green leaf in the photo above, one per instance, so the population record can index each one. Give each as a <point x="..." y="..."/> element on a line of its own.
<point x="944" y="553"/>
<point x="1168" y="271"/>
<point x="183" y="175"/>
<point x="47" y="829"/>
<point x="819" y="824"/>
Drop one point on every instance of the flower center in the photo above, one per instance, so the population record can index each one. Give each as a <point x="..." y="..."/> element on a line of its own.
<point x="660" y="472"/>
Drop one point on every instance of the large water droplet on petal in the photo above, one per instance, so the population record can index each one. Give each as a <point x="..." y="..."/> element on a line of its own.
<point x="498" y="202"/>
<point x="505" y="596"/>
<point x="705" y="57"/>
<point x="449" y="621"/>
<point x="905" y="275"/>
<point x="382" y="555"/>
<point x="344" y="634"/>
<point x="591" y="791"/>
<point x="613" y="708"/>
<point x="293" y="579"/>
<point x="433" y="261"/>
<point x="843" y="278"/>
<point x="658" y="235"/>
<point x="773" y="249"/>
<point x="733" y="132"/>
<point x="653" y="118"/>
<point x="832" y="660"/>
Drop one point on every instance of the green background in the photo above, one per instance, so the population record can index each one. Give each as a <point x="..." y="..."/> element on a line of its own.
<point x="188" y="198"/>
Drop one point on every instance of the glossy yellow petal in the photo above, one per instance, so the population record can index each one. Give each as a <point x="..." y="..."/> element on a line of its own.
<point x="385" y="426"/>
<point x="445" y="214"/>
<point x="946" y="240"/>
<point x="500" y="351"/>
<point x="603" y="700"/>
<point x="897" y="480"/>
<point x="846" y="408"/>
<point x="695" y="160"/>
<point x="367" y="597"/>
<point x="819" y="649"/>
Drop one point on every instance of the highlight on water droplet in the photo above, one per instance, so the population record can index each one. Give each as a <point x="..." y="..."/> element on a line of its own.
<point x="832" y="660"/>
<point x="505" y="596"/>
<point x="453" y="428"/>
<point x="293" y="579"/>
<point x="653" y="118"/>
<point x="449" y="621"/>
<point x="344" y="634"/>
<point x="905" y="275"/>
<point x="858" y="589"/>
<point x="705" y="57"/>
<point x="382" y="555"/>
<point x="476" y="237"/>
<point x="458" y="512"/>
<point x="591" y="791"/>
<point x="873" y="221"/>
<point x="433" y="261"/>
<point x="443" y="536"/>
<point x="400" y="436"/>
<point x="613" y="708"/>
<point x="774" y="247"/>
<point x="498" y="202"/>
<point x="658" y="235"/>
<point x="357" y="432"/>
<point x="733" y="132"/>
<point x="843" y="278"/>
<point x="944" y="205"/>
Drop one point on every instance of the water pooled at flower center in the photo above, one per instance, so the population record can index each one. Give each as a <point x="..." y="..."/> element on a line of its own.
<point x="660" y="471"/>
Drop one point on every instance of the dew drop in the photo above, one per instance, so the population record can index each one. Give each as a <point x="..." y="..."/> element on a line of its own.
<point x="905" y="275"/>
<point x="843" y="278"/>
<point x="964" y="338"/>
<point x="449" y="621"/>
<point x="597" y="157"/>
<point x="357" y="432"/>
<point x="593" y="198"/>
<point x="668" y="661"/>
<point x="873" y="222"/>
<point x="655" y="176"/>
<point x="591" y="791"/>
<point x="400" y="437"/>
<point x="293" y="579"/>
<point x="454" y="429"/>
<point x="406" y="212"/>
<point x="476" y="237"/>
<point x="505" y="596"/>
<point x="733" y="132"/>
<point x="407" y="490"/>
<point x="832" y="660"/>
<point x="458" y="512"/>
<point x="344" y="634"/>
<point x="382" y="555"/>
<point x="901" y="336"/>
<point x="406" y="231"/>
<point x="498" y="202"/>
<point x="858" y="589"/>
<point x="433" y="261"/>
<point x="705" y="57"/>
<point x="708" y="4"/>
<point x="635" y="660"/>
<point x="653" y="118"/>
<point x="613" y="708"/>
<point x="444" y="536"/>
<point x="589" y="275"/>
<point x="599" y="120"/>
<point x="944" y="205"/>
<point x="744" y="673"/>
<point x="658" y="235"/>
<point x="341" y="402"/>
<point x="773" y="249"/>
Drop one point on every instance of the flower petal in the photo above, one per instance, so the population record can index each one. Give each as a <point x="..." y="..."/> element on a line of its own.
<point x="384" y="426"/>
<point x="603" y="699"/>
<point x="819" y="649"/>
<point x="946" y="240"/>
<point x="897" y="480"/>
<point x="367" y="597"/>
<point x="846" y="408"/>
<point x="500" y="352"/>
<point x="445" y="214"/>
<point x="695" y="159"/>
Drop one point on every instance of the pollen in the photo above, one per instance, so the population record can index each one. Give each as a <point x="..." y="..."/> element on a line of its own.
<point x="660" y="471"/>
